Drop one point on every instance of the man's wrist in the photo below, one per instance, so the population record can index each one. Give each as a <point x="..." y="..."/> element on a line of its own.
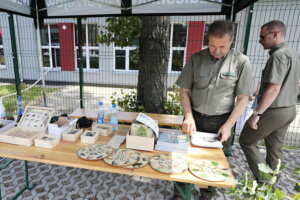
<point x="256" y="113"/>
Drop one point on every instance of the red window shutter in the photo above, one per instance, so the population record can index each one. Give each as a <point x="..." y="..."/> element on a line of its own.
<point x="67" y="46"/>
<point x="194" y="38"/>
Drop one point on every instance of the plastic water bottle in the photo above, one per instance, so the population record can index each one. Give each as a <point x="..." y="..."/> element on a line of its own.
<point x="2" y="110"/>
<point x="20" y="106"/>
<point x="114" y="118"/>
<point x="100" y="117"/>
<point x="107" y="115"/>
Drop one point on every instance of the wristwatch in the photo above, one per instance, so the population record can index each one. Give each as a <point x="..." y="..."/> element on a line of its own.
<point x="257" y="113"/>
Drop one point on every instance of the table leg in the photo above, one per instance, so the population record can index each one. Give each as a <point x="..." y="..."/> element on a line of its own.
<point x="184" y="189"/>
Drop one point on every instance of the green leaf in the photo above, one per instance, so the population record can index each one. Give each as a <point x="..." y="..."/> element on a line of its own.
<point x="253" y="189"/>
<point x="265" y="168"/>
<point x="195" y="170"/>
<point x="297" y="171"/>
<point x="297" y="196"/>
<point x="279" y="194"/>
<point x="214" y="163"/>
<point x="297" y="187"/>
<point x="273" y="180"/>
<point x="226" y="175"/>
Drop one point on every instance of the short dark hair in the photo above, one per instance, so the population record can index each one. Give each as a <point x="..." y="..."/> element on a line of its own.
<point x="275" y="25"/>
<point x="220" y="28"/>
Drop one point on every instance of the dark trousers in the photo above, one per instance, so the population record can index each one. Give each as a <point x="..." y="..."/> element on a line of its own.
<point x="272" y="127"/>
<point x="212" y="124"/>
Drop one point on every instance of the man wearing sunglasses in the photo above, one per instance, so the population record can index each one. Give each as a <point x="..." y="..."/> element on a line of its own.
<point x="276" y="100"/>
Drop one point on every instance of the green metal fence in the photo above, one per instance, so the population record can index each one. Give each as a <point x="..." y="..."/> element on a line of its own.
<point x="109" y="70"/>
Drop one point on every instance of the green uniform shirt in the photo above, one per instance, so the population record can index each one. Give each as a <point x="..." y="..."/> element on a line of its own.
<point x="282" y="68"/>
<point x="214" y="84"/>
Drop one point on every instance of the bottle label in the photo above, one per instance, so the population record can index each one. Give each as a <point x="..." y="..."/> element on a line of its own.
<point x="2" y="116"/>
<point x="114" y="123"/>
<point x="100" y="120"/>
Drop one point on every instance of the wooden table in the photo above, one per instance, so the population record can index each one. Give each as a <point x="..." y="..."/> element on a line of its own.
<point x="64" y="154"/>
<point x="128" y="117"/>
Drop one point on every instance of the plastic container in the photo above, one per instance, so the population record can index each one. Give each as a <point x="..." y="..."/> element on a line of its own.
<point x="114" y="119"/>
<point x="100" y="116"/>
<point x="2" y="110"/>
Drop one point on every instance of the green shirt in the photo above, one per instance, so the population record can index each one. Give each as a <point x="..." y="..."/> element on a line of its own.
<point x="214" y="83"/>
<point x="282" y="68"/>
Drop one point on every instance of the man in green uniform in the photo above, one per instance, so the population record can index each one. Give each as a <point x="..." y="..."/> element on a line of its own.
<point x="210" y="83"/>
<point x="276" y="100"/>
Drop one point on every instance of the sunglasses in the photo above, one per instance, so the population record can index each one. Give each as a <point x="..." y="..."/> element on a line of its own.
<point x="262" y="37"/>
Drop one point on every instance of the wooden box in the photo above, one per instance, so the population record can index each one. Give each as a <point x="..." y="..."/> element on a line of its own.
<point x="55" y="130"/>
<point x="33" y="123"/>
<point x="140" y="143"/>
<point x="89" y="137"/>
<point x="6" y="125"/>
<point x="103" y="129"/>
<point x="72" y="134"/>
<point x="46" y="141"/>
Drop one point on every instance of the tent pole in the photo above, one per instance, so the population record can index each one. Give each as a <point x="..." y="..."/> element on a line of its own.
<point x="248" y="28"/>
<point x="14" y="53"/>
<point x="39" y="47"/>
<point x="232" y="14"/>
<point x="79" y="59"/>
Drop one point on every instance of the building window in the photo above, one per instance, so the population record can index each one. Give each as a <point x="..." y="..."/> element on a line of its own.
<point x="90" y="46"/>
<point x="50" y="45"/>
<point x="2" y="59"/>
<point x="126" y="58"/>
<point x="178" y="46"/>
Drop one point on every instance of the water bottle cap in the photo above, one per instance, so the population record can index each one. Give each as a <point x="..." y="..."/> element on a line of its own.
<point x="100" y="103"/>
<point x="114" y="105"/>
<point x="19" y="98"/>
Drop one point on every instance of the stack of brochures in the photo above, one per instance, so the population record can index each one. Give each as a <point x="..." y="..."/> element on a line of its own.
<point x="173" y="142"/>
<point x="204" y="139"/>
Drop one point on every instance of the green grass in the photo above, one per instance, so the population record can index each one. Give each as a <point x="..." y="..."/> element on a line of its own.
<point x="28" y="96"/>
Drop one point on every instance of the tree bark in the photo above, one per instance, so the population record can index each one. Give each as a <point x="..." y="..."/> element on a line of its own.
<point x="153" y="62"/>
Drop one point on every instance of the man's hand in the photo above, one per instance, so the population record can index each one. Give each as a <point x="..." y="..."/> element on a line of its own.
<point x="188" y="125"/>
<point x="252" y="121"/>
<point x="224" y="133"/>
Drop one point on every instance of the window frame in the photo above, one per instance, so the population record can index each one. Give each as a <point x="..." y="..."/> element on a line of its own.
<point x="49" y="48"/>
<point x="86" y="48"/>
<point x="127" y="50"/>
<point x="176" y="48"/>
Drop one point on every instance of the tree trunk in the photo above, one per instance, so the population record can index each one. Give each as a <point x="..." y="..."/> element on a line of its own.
<point x="153" y="62"/>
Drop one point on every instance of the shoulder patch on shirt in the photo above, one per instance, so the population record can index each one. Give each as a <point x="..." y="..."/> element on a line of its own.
<point x="229" y="74"/>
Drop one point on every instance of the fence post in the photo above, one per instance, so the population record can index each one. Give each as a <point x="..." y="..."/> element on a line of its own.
<point x="14" y="53"/>
<point x="248" y="28"/>
<point x="79" y="59"/>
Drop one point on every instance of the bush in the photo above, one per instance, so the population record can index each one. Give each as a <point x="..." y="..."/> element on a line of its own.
<point x="129" y="103"/>
<point x="249" y="189"/>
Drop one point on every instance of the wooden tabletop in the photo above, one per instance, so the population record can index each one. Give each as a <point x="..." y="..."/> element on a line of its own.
<point x="65" y="154"/>
<point x="128" y="117"/>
